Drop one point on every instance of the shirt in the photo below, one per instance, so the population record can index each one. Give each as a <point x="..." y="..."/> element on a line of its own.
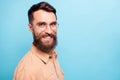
<point x="37" y="65"/>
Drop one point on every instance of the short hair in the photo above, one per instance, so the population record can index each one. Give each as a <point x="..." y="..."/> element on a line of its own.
<point x="40" y="6"/>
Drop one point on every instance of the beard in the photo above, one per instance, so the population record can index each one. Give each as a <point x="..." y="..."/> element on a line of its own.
<point x="41" y="45"/>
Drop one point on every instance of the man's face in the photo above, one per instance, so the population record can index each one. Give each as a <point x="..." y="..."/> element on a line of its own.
<point x="44" y="30"/>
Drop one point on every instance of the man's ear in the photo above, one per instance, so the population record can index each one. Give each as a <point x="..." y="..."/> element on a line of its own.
<point x="30" y="27"/>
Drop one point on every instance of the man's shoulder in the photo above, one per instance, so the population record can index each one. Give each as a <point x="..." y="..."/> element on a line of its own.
<point x="29" y="62"/>
<point x="25" y="61"/>
<point x="26" y="67"/>
<point x="26" y="58"/>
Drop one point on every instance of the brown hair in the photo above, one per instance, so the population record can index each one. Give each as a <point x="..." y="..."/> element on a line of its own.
<point x="43" y="6"/>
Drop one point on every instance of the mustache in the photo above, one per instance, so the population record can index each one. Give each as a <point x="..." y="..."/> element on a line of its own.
<point x="50" y="35"/>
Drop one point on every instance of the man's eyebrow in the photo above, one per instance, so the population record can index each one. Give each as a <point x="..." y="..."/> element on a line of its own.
<point x="54" y="22"/>
<point x="41" y="23"/>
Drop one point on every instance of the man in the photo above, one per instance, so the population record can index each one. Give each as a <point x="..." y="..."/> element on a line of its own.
<point x="40" y="62"/>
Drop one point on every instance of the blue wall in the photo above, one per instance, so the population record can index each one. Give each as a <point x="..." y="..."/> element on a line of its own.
<point x="88" y="37"/>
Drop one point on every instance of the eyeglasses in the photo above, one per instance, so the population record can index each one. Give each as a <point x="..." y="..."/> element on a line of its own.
<point x="44" y="25"/>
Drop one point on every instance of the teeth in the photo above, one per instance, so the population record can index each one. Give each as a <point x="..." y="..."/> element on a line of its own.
<point x="48" y="37"/>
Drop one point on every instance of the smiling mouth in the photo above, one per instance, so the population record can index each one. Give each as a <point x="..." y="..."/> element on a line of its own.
<point x="47" y="38"/>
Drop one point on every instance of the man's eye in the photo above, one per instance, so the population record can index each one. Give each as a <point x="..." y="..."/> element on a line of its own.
<point x="53" y="24"/>
<point x="41" y="24"/>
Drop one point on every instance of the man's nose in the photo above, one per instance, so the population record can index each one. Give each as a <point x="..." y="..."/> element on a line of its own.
<point x="48" y="29"/>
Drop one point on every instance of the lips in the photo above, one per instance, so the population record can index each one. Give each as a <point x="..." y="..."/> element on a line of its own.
<point x="47" y="38"/>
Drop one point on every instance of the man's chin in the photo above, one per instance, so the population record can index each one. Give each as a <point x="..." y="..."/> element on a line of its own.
<point x="44" y="44"/>
<point x="47" y="45"/>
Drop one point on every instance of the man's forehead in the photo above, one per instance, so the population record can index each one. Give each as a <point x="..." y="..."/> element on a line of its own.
<point x="43" y="13"/>
<point x="43" y="16"/>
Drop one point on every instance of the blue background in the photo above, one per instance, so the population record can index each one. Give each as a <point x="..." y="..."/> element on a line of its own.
<point x="88" y="37"/>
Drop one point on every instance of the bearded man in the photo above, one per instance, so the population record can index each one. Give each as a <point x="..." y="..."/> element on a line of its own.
<point x="40" y="63"/>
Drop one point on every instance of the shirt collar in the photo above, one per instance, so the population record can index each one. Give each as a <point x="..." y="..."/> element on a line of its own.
<point x="42" y="55"/>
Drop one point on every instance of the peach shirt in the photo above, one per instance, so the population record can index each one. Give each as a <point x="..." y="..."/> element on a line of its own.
<point x="36" y="65"/>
